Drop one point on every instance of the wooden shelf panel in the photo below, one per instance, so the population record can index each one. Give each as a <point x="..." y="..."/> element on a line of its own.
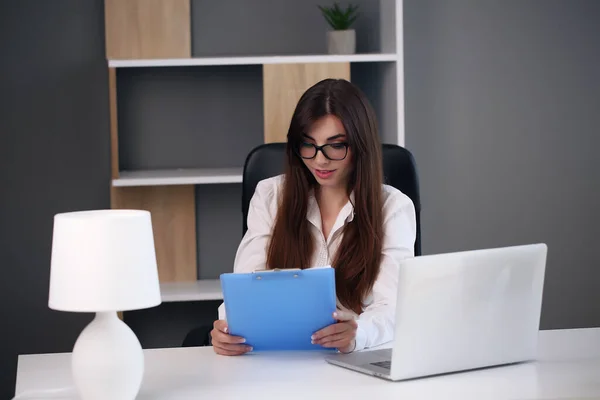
<point x="190" y="176"/>
<point x="173" y="210"/>
<point x="201" y="290"/>
<point x="284" y="84"/>
<point x="147" y="28"/>
<point x="261" y="60"/>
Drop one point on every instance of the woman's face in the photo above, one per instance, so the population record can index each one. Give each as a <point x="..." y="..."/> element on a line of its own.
<point x="334" y="171"/>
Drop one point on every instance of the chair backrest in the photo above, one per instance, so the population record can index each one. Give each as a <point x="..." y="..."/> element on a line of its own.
<point x="399" y="170"/>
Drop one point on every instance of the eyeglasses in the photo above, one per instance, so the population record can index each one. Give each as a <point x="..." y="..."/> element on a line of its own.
<point x="333" y="151"/>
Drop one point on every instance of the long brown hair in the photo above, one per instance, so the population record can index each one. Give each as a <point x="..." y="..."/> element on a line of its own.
<point x="358" y="257"/>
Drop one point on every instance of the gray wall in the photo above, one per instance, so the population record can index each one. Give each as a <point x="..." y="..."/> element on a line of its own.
<point x="54" y="157"/>
<point x="502" y="114"/>
<point x="208" y="117"/>
<point x="267" y="27"/>
<point x="219" y="224"/>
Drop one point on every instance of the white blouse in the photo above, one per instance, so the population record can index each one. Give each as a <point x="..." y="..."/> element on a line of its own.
<point x="376" y="322"/>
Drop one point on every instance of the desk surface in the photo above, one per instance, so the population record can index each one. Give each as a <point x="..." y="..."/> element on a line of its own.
<point x="568" y="368"/>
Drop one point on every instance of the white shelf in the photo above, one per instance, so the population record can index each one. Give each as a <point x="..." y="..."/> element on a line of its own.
<point x="205" y="61"/>
<point x="201" y="290"/>
<point x="179" y="177"/>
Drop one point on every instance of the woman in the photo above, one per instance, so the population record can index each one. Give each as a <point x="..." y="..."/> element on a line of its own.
<point x="331" y="208"/>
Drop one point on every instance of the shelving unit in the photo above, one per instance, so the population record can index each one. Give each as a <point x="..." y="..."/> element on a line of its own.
<point x="189" y="99"/>
<point x="264" y="60"/>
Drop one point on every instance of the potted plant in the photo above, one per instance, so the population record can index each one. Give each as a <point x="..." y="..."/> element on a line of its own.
<point x="342" y="40"/>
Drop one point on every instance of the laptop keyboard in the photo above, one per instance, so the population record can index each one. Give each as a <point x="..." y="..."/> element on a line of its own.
<point x="383" y="364"/>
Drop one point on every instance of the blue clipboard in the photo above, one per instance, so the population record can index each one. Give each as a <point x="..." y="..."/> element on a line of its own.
<point x="279" y="309"/>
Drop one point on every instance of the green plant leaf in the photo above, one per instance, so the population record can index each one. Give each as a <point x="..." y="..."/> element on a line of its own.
<point x="331" y="21"/>
<point x="327" y="15"/>
<point x="338" y="18"/>
<point x="348" y="12"/>
<point x="336" y="8"/>
<point x="351" y="20"/>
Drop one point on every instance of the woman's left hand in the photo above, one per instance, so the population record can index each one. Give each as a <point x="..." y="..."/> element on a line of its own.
<point x="341" y="335"/>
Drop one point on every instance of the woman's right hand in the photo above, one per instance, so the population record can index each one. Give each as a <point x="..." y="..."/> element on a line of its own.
<point x="226" y="344"/>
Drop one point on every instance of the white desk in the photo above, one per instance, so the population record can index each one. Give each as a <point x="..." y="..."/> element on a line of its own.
<point x="568" y="368"/>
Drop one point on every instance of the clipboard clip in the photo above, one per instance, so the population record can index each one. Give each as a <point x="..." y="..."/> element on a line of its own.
<point x="275" y="270"/>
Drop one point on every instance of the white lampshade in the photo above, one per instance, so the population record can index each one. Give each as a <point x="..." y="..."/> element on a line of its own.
<point x="103" y="260"/>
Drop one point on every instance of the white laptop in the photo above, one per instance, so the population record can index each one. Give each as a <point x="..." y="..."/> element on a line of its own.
<point x="461" y="311"/>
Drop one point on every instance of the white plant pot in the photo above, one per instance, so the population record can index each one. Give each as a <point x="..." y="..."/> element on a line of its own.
<point x="341" y="42"/>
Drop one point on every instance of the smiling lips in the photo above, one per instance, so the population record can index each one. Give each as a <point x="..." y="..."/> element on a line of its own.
<point x="324" y="173"/>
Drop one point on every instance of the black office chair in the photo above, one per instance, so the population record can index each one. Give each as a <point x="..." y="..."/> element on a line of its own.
<point x="399" y="171"/>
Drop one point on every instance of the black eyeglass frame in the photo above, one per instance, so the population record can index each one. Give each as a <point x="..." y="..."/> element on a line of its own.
<point x="320" y="148"/>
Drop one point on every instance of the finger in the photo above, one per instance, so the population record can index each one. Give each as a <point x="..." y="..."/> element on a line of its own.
<point x="330" y="330"/>
<point x="221" y="325"/>
<point x="225" y="352"/>
<point x="344" y="316"/>
<point x="219" y="336"/>
<point x="240" y="348"/>
<point x="335" y="340"/>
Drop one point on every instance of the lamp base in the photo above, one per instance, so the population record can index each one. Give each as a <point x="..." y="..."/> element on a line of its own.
<point x="108" y="362"/>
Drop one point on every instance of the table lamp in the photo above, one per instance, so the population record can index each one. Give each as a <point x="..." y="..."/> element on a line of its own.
<point x="104" y="261"/>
